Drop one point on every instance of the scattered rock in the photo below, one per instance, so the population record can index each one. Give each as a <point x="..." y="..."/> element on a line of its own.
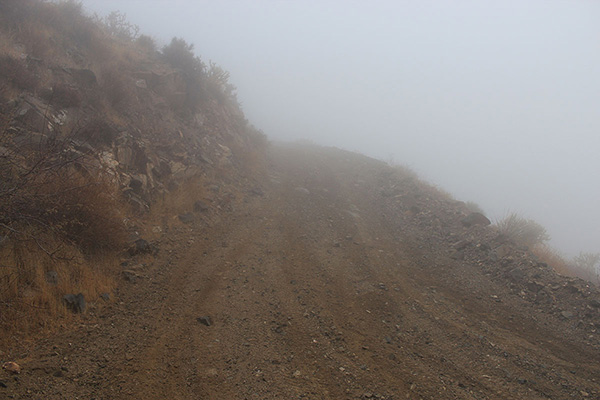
<point x="85" y="77"/>
<point x="105" y="296"/>
<point x="141" y="83"/>
<point x="51" y="277"/>
<point x="12" y="367"/>
<point x="186" y="218"/>
<point x="535" y="286"/>
<point x="297" y="374"/>
<point x="567" y="314"/>
<point x="130" y="276"/>
<point x="461" y="245"/>
<point x="205" y="320"/>
<point x="200" y="206"/>
<point x="594" y="303"/>
<point x="572" y="288"/>
<point x="141" y="246"/>
<point x="3" y="384"/>
<point x="75" y="302"/>
<point x="475" y="219"/>
<point x="516" y="275"/>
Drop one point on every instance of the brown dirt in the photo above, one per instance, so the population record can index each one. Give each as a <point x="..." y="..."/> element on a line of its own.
<point x="322" y="287"/>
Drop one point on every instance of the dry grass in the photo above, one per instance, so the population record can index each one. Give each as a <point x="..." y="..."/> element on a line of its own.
<point x="55" y="215"/>
<point x="29" y="302"/>
<point x="522" y="230"/>
<point x="554" y="259"/>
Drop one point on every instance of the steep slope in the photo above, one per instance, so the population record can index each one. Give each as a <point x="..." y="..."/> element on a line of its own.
<point x="100" y="133"/>
<point x="338" y="278"/>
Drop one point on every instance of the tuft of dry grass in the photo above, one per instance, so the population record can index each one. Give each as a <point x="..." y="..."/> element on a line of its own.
<point x="32" y="285"/>
<point x="522" y="230"/>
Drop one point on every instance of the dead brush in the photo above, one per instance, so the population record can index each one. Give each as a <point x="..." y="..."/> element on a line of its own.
<point x="55" y="215"/>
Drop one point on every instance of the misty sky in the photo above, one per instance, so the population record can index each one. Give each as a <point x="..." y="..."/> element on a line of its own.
<point x="497" y="102"/>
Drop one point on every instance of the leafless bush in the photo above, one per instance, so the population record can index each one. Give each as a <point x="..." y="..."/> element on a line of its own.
<point x="522" y="230"/>
<point x="43" y="189"/>
<point x="117" y="25"/>
<point x="589" y="264"/>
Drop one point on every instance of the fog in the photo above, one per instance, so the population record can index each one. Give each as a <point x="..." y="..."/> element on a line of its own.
<point x="497" y="102"/>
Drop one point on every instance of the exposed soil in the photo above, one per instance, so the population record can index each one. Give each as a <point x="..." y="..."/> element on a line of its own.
<point x="325" y="285"/>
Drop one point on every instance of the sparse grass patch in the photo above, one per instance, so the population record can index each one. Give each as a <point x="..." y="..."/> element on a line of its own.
<point x="32" y="285"/>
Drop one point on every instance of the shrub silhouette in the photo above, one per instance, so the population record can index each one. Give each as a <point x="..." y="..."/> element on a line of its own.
<point x="180" y="55"/>
<point x="522" y="230"/>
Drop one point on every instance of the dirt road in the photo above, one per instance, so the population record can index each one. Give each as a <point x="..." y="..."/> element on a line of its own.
<point x="320" y="287"/>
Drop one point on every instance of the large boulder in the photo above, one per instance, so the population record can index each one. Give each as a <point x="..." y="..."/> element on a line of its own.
<point x="475" y="218"/>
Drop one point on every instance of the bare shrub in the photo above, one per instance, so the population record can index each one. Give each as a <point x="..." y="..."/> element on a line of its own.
<point x="43" y="189"/>
<point x="589" y="265"/>
<point x="117" y="25"/>
<point x="522" y="230"/>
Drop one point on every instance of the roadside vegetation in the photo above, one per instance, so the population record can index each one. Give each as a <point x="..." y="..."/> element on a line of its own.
<point x="534" y="236"/>
<point x="70" y="92"/>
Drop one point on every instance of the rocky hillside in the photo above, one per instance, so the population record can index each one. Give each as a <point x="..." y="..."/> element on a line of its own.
<point x="153" y="246"/>
<point x="98" y="129"/>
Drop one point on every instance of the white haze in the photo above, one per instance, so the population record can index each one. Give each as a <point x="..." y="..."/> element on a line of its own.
<point x="497" y="102"/>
